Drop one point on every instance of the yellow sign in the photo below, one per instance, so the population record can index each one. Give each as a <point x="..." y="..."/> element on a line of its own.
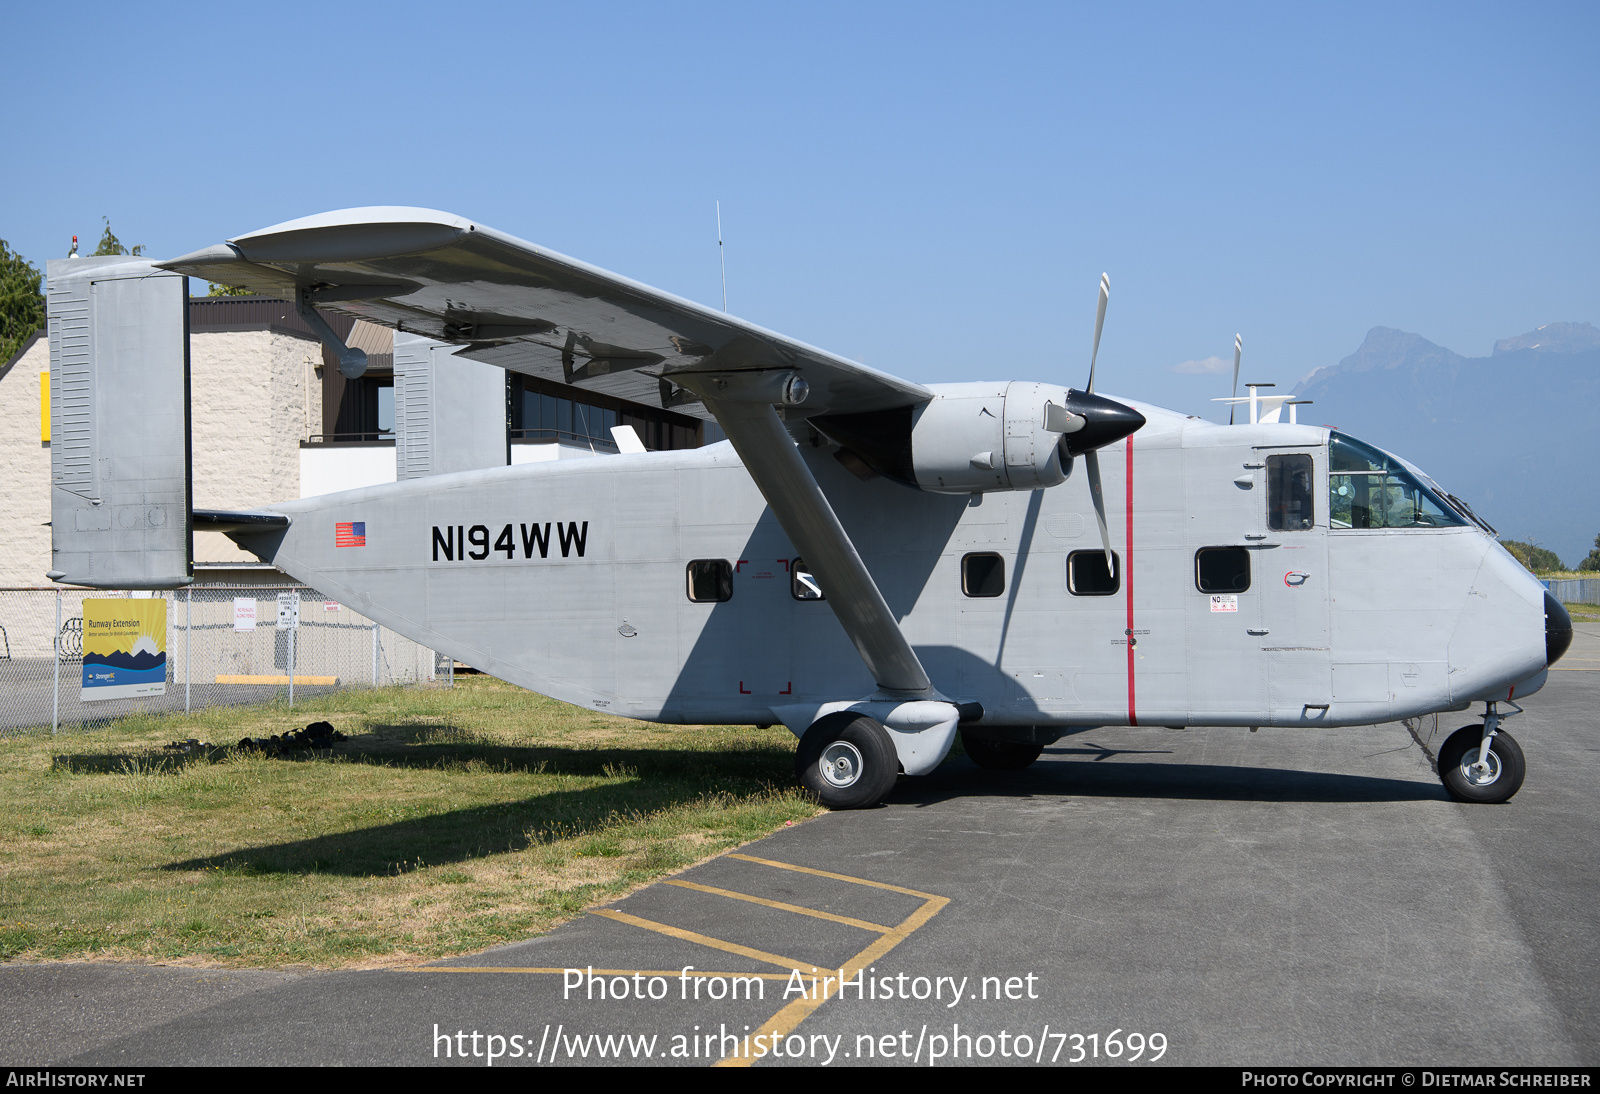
<point x="44" y="407"/>
<point x="124" y="648"/>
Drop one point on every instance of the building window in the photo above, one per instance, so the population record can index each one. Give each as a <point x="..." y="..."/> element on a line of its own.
<point x="544" y="411"/>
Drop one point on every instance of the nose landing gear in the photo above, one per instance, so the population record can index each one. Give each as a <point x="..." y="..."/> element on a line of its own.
<point x="1482" y="763"/>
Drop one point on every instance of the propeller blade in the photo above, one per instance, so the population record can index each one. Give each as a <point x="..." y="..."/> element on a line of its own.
<point x="1091" y="464"/>
<point x="1099" y="324"/>
<point x="1238" y="351"/>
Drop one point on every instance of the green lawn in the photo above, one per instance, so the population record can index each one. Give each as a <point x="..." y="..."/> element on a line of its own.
<point x="452" y="820"/>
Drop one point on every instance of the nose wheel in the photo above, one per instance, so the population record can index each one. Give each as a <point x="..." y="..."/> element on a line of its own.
<point x="1472" y="774"/>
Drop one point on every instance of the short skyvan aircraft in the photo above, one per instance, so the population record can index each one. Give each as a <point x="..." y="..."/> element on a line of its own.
<point x="875" y="563"/>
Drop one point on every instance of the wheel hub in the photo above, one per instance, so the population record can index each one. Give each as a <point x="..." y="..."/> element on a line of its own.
<point x="1480" y="774"/>
<point x="841" y="764"/>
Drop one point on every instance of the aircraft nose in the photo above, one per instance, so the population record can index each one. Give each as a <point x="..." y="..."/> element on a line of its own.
<point x="1557" y="630"/>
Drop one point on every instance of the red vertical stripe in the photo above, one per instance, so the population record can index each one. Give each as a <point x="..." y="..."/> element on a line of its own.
<point x="1127" y="577"/>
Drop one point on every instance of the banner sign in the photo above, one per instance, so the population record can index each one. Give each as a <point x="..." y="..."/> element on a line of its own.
<point x="124" y="648"/>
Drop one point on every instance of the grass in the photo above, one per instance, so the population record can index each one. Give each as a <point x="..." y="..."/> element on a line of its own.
<point x="1588" y="613"/>
<point x="452" y="820"/>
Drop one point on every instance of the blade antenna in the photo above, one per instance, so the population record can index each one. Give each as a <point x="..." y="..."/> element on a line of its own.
<point x="1238" y="351"/>
<point x="1099" y="324"/>
<point x="724" y="261"/>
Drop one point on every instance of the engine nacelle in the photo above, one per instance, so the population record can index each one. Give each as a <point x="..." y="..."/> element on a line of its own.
<point x="977" y="438"/>
<point x="973" y="438"/>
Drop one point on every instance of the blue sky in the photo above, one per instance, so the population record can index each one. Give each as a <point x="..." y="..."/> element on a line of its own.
<point x="932" y="188"/>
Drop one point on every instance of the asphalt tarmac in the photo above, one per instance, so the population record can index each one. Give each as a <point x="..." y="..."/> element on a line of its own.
<point x="1195" y="897"/>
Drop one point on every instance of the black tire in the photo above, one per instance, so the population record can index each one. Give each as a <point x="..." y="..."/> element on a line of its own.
<point x="1460" y="752"/>
<point x="847" y="760"/>
<point x="994" y="754"/>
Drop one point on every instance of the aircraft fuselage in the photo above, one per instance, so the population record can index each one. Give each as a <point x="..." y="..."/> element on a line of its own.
<point x="571" y="578"/>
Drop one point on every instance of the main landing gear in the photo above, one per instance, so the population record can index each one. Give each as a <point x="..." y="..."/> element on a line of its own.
<point x="847" y="760"/>
<point x="1482" y="763"/>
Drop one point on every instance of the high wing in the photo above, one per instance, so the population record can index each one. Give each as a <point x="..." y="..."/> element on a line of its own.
<point x="527" y="309"/>
<point x="532" y="310"/>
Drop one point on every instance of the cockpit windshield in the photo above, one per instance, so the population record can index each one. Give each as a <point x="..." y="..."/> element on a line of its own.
<point x="1368" y="488"/>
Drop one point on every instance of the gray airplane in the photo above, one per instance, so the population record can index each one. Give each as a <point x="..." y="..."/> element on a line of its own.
<point x="875" y="563"/>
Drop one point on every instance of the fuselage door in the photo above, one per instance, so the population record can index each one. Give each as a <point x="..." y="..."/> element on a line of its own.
<point x="1293" y="573"/>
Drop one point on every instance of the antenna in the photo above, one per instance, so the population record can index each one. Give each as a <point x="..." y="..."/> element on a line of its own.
<point x="721" y="258"/>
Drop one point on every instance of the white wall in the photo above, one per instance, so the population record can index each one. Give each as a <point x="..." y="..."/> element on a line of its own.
<point x="24" y="472"/>
<point x="327" y="469"/>
<point x="543" y="453"/>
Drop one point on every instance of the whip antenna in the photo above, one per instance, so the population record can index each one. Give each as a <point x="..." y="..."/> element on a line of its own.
<point x="722" y="258"/>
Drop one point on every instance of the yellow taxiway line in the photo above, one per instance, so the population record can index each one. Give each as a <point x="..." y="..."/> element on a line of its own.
<point x="792" y="1014"/>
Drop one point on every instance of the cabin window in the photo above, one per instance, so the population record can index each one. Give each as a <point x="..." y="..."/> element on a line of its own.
<point x="802" y="582"/>
<point x="1368" y="488"/>
<point x="1289" y="493"/>
<point x="1087" y="574"/>
<point x="1222" y="569"/>
<point x="710" y="580"/>
<point x="983" y="575"/>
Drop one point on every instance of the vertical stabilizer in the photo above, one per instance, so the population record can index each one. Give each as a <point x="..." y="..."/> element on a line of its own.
<point x="120" y="478"/>
<point x="449" y="411"/>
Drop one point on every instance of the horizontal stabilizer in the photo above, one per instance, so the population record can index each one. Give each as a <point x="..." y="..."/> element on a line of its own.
<point x="245" y="523"/>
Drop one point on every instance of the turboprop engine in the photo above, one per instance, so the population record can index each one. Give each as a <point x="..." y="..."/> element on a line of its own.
<point x="980" y="437"/>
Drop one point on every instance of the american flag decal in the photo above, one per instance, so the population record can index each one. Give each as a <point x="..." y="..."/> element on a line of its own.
<point x="350" y="534"/>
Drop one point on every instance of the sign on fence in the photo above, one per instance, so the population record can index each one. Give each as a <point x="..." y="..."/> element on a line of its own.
<point x="124" y="648"/>
<point x="221" y="647"/>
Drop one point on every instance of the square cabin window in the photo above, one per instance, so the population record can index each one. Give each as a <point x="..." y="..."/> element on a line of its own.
<point x="802" y="582"/>
<point x="710" y="580"/>
<point x="1222" y="569"/>
<point x="1087" y="574"/>
<point x="983" y="575"/>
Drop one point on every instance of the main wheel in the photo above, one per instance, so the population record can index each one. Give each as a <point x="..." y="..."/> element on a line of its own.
<point x="994" y="754"/>
<point x="848" y="760"/>
<point x="1461" y="777"/>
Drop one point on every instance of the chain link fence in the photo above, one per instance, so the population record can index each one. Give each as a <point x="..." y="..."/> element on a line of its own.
<point x="225" y="647"/>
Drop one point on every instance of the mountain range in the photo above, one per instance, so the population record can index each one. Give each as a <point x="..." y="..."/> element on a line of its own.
<point x="1515" y="434"/>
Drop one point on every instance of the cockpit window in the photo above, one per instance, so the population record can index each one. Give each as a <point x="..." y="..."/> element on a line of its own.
<point x="1368" y="488"/>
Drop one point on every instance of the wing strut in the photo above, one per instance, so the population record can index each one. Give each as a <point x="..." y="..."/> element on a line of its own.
<point x="808" y="519"/>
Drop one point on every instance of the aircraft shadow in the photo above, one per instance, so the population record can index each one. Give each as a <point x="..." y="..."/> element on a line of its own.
<point x="462" y="834"/>
<point x="1098" y="776"/>
<point x="653" y="780"/>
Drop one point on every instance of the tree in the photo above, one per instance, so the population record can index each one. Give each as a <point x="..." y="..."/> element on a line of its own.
<point x="1593" y="561"/>
<point x="21" y="302"/>
<point x="111" y="245"/>
<point x="227" y="290"/>
<point x="1532" y="556"/>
